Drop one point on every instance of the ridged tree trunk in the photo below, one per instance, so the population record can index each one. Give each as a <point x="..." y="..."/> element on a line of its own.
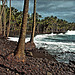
<point x="4" y="17"/>
<point x="19" y="52"/>
<point x="8" y="27"/>
<point x="34" y="22"/>
<point x="0" y="20"/>
<point x="38" y="28"/>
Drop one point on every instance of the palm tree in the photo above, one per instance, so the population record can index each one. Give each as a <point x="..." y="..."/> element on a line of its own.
<point x="34" y="22"/>
<point x="0" y="20"/>
<point x="8" y="27"/>
<point x="4" y="15"/>
<point x="19" y="52"/>
<point x="1" y="12"/>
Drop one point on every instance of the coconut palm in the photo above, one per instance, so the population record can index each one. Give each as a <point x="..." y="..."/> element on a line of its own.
<point x="4" y="15"/>
<point x="8" y="27"/>
<point x="34" y="22"/>
<point x="0" y="20"/>
<point x="19" y="52"/>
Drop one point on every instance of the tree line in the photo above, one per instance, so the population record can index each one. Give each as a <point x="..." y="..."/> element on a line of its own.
<point x="43" y="25"/>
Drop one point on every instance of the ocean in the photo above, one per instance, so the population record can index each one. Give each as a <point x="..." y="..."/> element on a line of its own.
<point x="62" y="46"/>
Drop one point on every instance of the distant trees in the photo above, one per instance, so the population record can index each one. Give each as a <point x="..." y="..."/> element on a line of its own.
<point x="53" y="24"/>
<point x="13" y="22"/>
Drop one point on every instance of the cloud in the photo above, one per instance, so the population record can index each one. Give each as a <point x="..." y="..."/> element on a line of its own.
<point x="61" y="8"/>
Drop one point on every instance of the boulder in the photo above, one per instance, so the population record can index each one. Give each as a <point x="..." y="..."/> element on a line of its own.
<point x="30" y="46"/>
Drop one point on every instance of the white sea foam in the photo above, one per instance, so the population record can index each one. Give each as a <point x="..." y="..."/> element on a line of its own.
<point x="44" y="35"/>
<point x="64" y="46"/>
<point x="52" y="46"/>
<point x="16" y="39"/>
<point x="53" y="34"/>
<point x="61" y="34"/>
<point x="13" y="39"/>
<point x="70" y="32"/>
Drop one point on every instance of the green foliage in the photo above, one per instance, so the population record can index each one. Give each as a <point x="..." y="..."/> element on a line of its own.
<point x="47" y="25"/>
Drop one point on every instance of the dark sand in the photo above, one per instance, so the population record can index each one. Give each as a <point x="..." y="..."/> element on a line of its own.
<point x="41" y="63"/>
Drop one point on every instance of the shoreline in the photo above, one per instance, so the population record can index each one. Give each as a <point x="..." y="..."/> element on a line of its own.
<point x="16" y="33"/>
<point x="56" y="57"/>
<point x="40" y="64"/>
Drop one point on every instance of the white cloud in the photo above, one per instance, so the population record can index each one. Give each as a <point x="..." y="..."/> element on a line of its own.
<point x="61" y="8"/>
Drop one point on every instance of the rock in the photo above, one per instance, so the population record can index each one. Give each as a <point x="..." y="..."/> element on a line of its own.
<point x="73" y="62"/>
<point x="37" y="65"/>
<point x="7" y="69"/>
<point x="33" y="65"/>
<point x="29" y="54"/>
<point x="41" y="48"/>
<point x="30" y="46"/>
<point x="17" y="74"/>
<point x="71" y="70"/>
<point x="48" y="73"/>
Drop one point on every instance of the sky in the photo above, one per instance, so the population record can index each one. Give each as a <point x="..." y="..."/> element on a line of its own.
<point x="63" y="9"/>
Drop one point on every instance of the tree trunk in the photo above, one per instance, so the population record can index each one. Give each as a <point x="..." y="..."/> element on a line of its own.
<point x="38" y="29"/>
<point x="0" y="20"/>
<point x="8" y="27"/>
<point x="4" y="15"/>
<point x="19" y="52"/>
<point x="34" y="23"/>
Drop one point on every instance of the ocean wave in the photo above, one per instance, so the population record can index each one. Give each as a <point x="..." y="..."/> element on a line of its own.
<point x="56" y="44"/>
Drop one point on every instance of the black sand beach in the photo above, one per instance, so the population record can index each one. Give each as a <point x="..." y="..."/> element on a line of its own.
<point x="40" y="63"/>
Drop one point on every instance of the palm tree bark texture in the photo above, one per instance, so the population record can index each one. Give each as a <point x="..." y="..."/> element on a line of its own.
<point x="8" y="27"/>
<point x="34" y="22"/>
<point x="0" y="20"/>
<point x="4" y="16"/>
<point x="19" y="52"/>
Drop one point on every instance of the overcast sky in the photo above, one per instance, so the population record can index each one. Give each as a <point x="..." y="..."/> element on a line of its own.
<point x="63" y="9"/>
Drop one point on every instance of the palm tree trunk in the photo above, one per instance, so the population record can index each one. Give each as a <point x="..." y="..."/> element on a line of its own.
<point x="0" y="20"/>
<point x="4" y="15"/>
<point x="19" y="52"/>
<point x="8" y="27"/>
<point x="34" y="22"/>
<point x="38" y="28"/>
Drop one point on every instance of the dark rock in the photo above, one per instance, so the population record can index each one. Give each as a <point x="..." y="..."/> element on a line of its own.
<point x="73" y="62"/>
<point x="48" y="73"/>
<point x="30" y="46"/>
<point x="41" y="48"/>
<point x="41" y="63"/>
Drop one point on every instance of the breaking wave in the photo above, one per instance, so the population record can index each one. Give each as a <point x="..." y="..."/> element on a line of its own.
<point x="60" y="45"/>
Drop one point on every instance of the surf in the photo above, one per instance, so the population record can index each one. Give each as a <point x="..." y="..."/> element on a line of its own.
<point x="61" y="45"/>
